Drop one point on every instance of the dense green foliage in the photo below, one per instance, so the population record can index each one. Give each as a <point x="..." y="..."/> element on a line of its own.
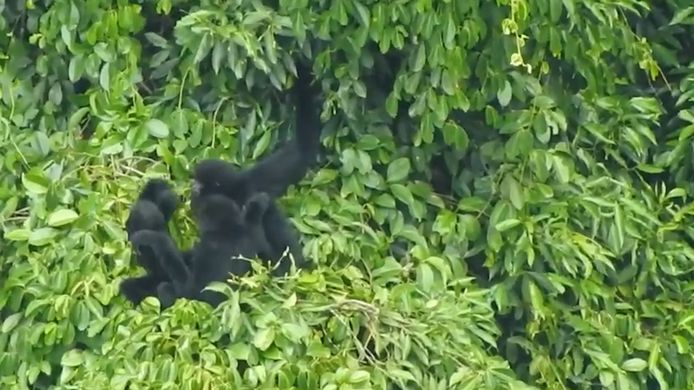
<point x="502" y="202"/>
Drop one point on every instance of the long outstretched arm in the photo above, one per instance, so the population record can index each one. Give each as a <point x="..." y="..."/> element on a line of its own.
<point x="288" y="164"/>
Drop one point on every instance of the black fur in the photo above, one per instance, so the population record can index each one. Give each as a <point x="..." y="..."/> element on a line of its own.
<point x="165" y="260"/>
<point x="226" y="231"/>
<point x="154" y="207"/>
<point x="151" y="212"/>
<point x="260" y="229"/>
<point x="272" y="175"/>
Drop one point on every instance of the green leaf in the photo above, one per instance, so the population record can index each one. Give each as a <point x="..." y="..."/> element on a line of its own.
<point x="462" y="374"/>
<point x="368" y="142"/>
<point x="179" y="126"/>
<point x="398" y="170"/>
<point x="42" y="236"/>
<point x="10" y="322"/>
<point x="359" y="89"/>
<point x="156" y="40"/>
<point x="17" y="234"/>
<point x="420" y="58"/>
<point x="455" y="135"/>
<point x="218" y="53"/>
<point x="61" y="217"/>
<point x="682" y="344"/>
<point x="264" y="338"/>
<point x="359" y="376"/>
<point x="348" y="159"/>
<point x="157" y="128"/>
<point x="262" y="145"/>
<point x="677" y="193"/>
<point x="35" y="183"/>
<point x="512" y="190"/>
<point x="363" y="161"/>
<point x="392" y="104"/>
<point x="55" y="95"/>
<point x="76" y="118"/>
<point x="364" y="14"/>
<point x="66" y="36"/>
<point x="681" y="15"/>
<point x="295" y="332"/>
<point x="105" y="77"/>
<point x="561" y="169"/>
<point x="520" y="144"/>
<point x="634" y="365"/>
<point x="402" y="193"/>
<point x="686" y="115"/>
<point x="536" y="297"/>
<point x="504" y="94"/>
<point x="42" y="143"/>
<point x="317" y="350"/>
<point x="75" y="69"/>
<point x="72" y="358"/>
<point x="425" y="277"/>
<point x="203" y="48"/>
<point x="240" y="351"/>
<point x="542" y="131"/>
<point x="450" y="33"/>
<point x="448" y="83"/>
<point x="385" y="200"/>
<point x="103" y="52"/>
<point x="507" y="224"/>
<point x="324" y="176"/>
<point x="9" y="207"/>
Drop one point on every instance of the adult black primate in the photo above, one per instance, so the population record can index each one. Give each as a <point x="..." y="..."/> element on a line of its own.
<point x="151" y="212"/>
<point x="226" y="231"/>
<point x="272" y="175"/>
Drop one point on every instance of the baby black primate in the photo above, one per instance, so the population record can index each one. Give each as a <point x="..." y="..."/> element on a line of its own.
<point x="153" y="207"/>
<point x="151" y="212"/>
<point x="272" y="175"/>
<point x="226" y="231"/>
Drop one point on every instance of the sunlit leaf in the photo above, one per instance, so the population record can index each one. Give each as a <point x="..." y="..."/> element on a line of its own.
<point x="61" y="217"/>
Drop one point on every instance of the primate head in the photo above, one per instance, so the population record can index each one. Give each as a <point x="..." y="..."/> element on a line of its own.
<point x="159" y="192"/>
<point x="153" y="208"/>
<point x="216" y="177"/>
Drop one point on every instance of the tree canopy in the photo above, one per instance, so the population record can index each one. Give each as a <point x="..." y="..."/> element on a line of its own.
<point x="502" y="201"/>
